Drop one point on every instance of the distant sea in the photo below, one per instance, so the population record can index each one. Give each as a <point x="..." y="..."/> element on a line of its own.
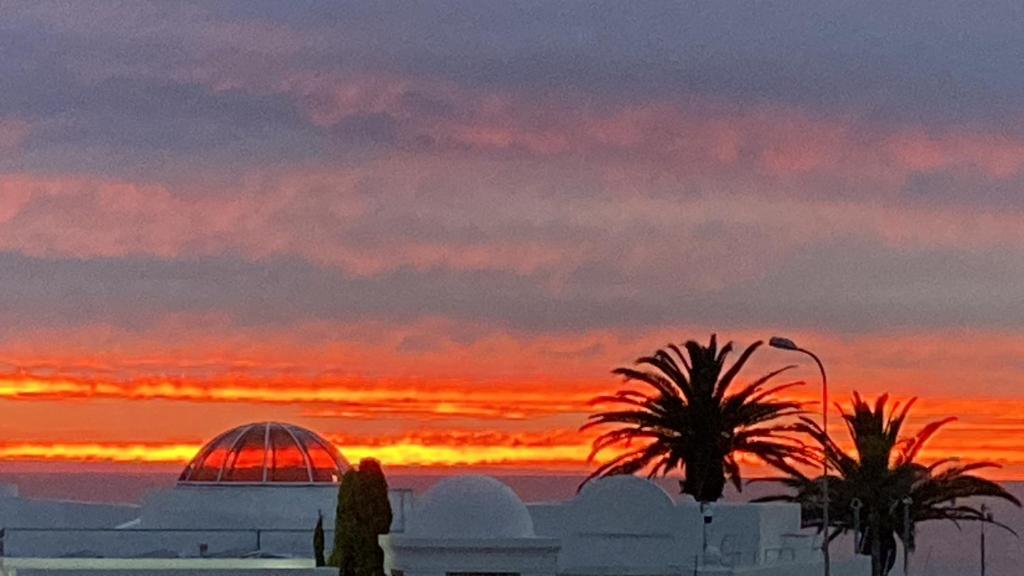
<point x="943" y="550"/>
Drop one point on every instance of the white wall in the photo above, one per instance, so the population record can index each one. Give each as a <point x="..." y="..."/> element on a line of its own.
<point x="588" y="544"/>
<point x="122" y="543"/>
<point x="858" y="566"/>
<point x="26" y="513"/>
<point x="51" y="543"/>
<point x="239" y="507"/>
<point x="549" y="518"/>
<point x="632" y="530"/>
<point x="421" y="557"/>
<point x="179" y="519"/>
<point x="253" y="507"/>
<point x="744" y="532"/>
<point x="160" y="567"/>
<point x="631" y="537"/>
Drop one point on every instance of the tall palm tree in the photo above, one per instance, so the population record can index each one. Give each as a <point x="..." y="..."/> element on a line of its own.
<point x="689" y="419"/>
<point x="890" y="485"/>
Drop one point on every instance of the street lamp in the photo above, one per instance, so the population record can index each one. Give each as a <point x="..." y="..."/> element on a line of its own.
<point x="907" y="501"/>
<point x="986" y="516"/>
<point x="787" y="344"/>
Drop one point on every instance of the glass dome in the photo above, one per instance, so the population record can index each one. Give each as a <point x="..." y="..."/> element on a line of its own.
<point x="265" y="453"/>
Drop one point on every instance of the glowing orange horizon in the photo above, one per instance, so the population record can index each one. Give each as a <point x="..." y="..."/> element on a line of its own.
<point x="987" y="429"/>
<point x="558" y="450"/>
<point x="561" y="450"/>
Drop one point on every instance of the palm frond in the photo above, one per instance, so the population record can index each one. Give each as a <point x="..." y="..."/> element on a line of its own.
<point x="922" y="437"/>
<point x="883" y="484"/>
<point x="726" y="380"/>
<point x="688" y="420"/>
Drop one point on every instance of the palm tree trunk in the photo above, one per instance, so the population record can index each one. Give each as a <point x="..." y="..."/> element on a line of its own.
<point x="876" y="545"/>
<point x="705" y="479"/>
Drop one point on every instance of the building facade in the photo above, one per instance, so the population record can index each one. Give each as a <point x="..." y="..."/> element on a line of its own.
<point x="248" y="502"/>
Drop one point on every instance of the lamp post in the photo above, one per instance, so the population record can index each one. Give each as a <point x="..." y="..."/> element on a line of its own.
<point x="907" y="502"/>
<point x="855" y="505"/>
<point x="986" y="517"/>
<point x="787" y="344"/>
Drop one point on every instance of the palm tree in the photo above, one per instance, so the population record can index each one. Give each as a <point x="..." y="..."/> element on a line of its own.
<point x="690" y="420"/>
<point x="890" y="486"/>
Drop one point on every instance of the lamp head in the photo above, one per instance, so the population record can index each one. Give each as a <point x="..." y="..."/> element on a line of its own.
<point x="782" y="343"/>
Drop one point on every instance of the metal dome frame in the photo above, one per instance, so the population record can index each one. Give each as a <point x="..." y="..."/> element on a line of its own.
<point x="235" y="437"/>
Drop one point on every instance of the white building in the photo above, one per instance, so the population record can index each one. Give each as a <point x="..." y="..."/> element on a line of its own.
<point x="252" y="492"/>
<point x="248" y="501"/>
<point x="470" y="525"/>
<point x="622" y="526"/>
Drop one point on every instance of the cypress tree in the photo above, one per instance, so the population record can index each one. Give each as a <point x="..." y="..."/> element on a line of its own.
<point x="364" y="513"/>
<point x="373" y="518"/>
<point x="345" y="525"/>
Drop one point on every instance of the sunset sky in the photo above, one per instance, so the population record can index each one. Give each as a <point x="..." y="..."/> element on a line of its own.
<point x="429" y="231"/>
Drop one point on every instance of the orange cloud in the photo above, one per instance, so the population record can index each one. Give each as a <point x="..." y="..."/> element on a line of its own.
<point x="557" y="450"/>
<point x="514" y="383"/>
<point x="322" y="216"/>
<point x="996" y="155"/>
<point x="97" y="452"/>
<point x="334" y="398"/>
<point x="692" y="137"/>
<point x="369" y="364"/>
<point x="267" y="215"/>
<point x="550" y="450"/>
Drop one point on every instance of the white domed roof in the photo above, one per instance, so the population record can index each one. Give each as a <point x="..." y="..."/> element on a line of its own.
<point x="623" y="504"/>
<point x="470" y="507"/>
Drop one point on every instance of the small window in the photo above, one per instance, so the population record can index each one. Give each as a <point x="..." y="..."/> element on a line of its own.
<point x="397" y="572"/>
